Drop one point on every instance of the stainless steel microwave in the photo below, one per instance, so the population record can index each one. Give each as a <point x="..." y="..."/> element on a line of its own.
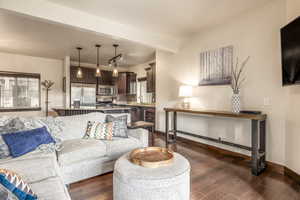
<point x="107" y="90"/>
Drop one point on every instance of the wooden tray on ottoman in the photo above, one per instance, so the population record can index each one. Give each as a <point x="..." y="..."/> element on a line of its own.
<point x="151" y="157"/>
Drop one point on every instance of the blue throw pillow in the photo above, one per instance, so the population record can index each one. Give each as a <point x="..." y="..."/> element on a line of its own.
<point x="22" y="142"/>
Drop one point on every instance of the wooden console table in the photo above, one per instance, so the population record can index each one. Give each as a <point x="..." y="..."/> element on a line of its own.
<point x="258" y="133"/>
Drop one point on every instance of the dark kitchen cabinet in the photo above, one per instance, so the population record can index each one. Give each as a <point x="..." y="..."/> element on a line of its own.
<point x="126" y="83"/>
<point x="140" y="113"/>
<point x="88" y="75"/>
<point x="106" y="78"/>
<point x="149" y="115"/>
<point x="151" y="78"/>
<point x="136" y="114"/>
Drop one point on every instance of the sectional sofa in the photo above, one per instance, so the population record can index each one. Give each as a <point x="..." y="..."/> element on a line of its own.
<point x="79" y="159"/>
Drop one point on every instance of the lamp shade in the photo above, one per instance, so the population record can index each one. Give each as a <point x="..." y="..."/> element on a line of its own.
<point x="185" y="91"/>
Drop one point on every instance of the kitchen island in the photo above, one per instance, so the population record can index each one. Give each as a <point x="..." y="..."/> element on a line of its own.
<point x="63" y="111"/>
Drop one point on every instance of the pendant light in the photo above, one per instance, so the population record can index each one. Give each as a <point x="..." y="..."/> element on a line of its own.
<point x="98" y="71"/>
<point x="115" y="70"/>
<point x="79" y="71"/>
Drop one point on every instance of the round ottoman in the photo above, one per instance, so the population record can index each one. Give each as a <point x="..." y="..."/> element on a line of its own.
<point x="133" y="182"/>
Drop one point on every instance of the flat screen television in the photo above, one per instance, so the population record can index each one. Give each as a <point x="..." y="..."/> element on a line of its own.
<point x="290" y="49"/>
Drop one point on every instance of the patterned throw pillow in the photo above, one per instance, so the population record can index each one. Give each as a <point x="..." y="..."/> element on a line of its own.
<point x="14" y="183"/>
<point x="99" y="131"/>
<point x="55" y="127"/>
<point x="120" y="125"/>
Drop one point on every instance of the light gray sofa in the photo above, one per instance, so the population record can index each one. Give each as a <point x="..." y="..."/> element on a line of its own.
<point x="79" y="159"/>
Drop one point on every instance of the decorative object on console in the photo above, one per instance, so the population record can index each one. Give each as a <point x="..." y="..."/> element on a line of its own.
<point x="215" y="66"/>
<point x="14" y="183"/>
<point x="98" y="71"/>
<point x="99" y="131"/>
<point x="236" y="82"/>
<point x="119" y="125"/>
<point x="47" y="84"/>
<point x="185" y="91"/>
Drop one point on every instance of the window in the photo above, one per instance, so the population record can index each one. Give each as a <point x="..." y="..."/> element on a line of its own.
<point x="19" y="91"/>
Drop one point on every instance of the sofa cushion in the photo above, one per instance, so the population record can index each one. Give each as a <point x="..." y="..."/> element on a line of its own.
<point x="51" y="189"/>
<point x="80" y="149"/>
<point x="118" y="146"/>
<point x="75" y="126"/>
<point x="33" y="167"/>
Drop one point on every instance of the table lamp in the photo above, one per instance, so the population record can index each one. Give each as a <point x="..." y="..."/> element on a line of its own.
<point x="185" y="91"/>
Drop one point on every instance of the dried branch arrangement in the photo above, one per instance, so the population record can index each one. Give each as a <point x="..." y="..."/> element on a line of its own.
<point x="236" y="75"/>
<point x="47" y="84"/>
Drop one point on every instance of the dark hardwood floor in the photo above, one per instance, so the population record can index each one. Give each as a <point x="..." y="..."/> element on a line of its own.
<point x="214" y="177"/>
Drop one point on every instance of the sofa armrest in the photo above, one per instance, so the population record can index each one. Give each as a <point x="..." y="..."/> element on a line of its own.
<point x="140" y="134"/>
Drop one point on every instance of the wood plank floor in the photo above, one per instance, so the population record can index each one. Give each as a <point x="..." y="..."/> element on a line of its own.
<point x="213" y="177"/>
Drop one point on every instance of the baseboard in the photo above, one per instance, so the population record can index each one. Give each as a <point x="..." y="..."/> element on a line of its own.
<point x="271" y="166"/>
<point x="293" y="175"/>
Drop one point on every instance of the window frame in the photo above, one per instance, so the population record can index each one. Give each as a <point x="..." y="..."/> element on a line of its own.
<point x="23" y="75"/>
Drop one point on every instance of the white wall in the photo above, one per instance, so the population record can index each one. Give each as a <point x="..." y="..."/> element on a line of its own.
<point x="49" y="69"/>
<point x="293" y="115"/>
<point x="255" y="34"/>
<point x="140" y="69"/>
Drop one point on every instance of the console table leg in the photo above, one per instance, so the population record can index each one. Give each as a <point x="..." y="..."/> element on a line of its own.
<point x="258" y="140"/>
<point x="262" y="144"/>
<point x="255" y="148"/>
<point x="167" y="129"/>
<point x="175" y="127"/>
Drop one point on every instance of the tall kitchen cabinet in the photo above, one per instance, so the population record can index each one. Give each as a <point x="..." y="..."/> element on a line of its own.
<point x="126" y="83"/>
<point x="151" y="76"/>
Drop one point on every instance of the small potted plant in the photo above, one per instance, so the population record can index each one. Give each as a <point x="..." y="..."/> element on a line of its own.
<point x="236" y="81"/>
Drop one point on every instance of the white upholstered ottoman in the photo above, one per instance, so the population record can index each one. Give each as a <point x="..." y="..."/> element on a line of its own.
<point x="133" y="182"/>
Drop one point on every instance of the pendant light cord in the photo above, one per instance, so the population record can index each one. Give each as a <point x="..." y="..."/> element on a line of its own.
<point x="97" y="56"/>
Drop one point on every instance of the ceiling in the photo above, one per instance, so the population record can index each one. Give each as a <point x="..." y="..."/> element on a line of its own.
<point x="28" y="36"/>
<point x="176" y="18"/>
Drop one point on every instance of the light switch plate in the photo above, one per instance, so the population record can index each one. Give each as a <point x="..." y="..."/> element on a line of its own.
<point x="267" y="101"/>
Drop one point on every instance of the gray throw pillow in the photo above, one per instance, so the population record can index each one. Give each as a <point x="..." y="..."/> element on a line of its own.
<point x="119" y="125"/>
<point x="12" y="125"/>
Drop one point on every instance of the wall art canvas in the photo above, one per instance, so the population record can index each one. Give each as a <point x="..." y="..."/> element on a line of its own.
<point x="215" y="66"/>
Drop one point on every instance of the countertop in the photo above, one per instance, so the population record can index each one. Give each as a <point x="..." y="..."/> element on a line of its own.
<point x="137" y="104"/>
<point x="94" y="108"/>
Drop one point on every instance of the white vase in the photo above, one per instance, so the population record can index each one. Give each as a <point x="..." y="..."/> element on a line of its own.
<point x="236" y="103"/>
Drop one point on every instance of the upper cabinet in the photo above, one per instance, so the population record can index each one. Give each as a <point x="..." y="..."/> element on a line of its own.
<point x="151" y="78"/>
<point x="126" y="83"/>
<point x="88" y="76"/>
<point x="106" y="78"/>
